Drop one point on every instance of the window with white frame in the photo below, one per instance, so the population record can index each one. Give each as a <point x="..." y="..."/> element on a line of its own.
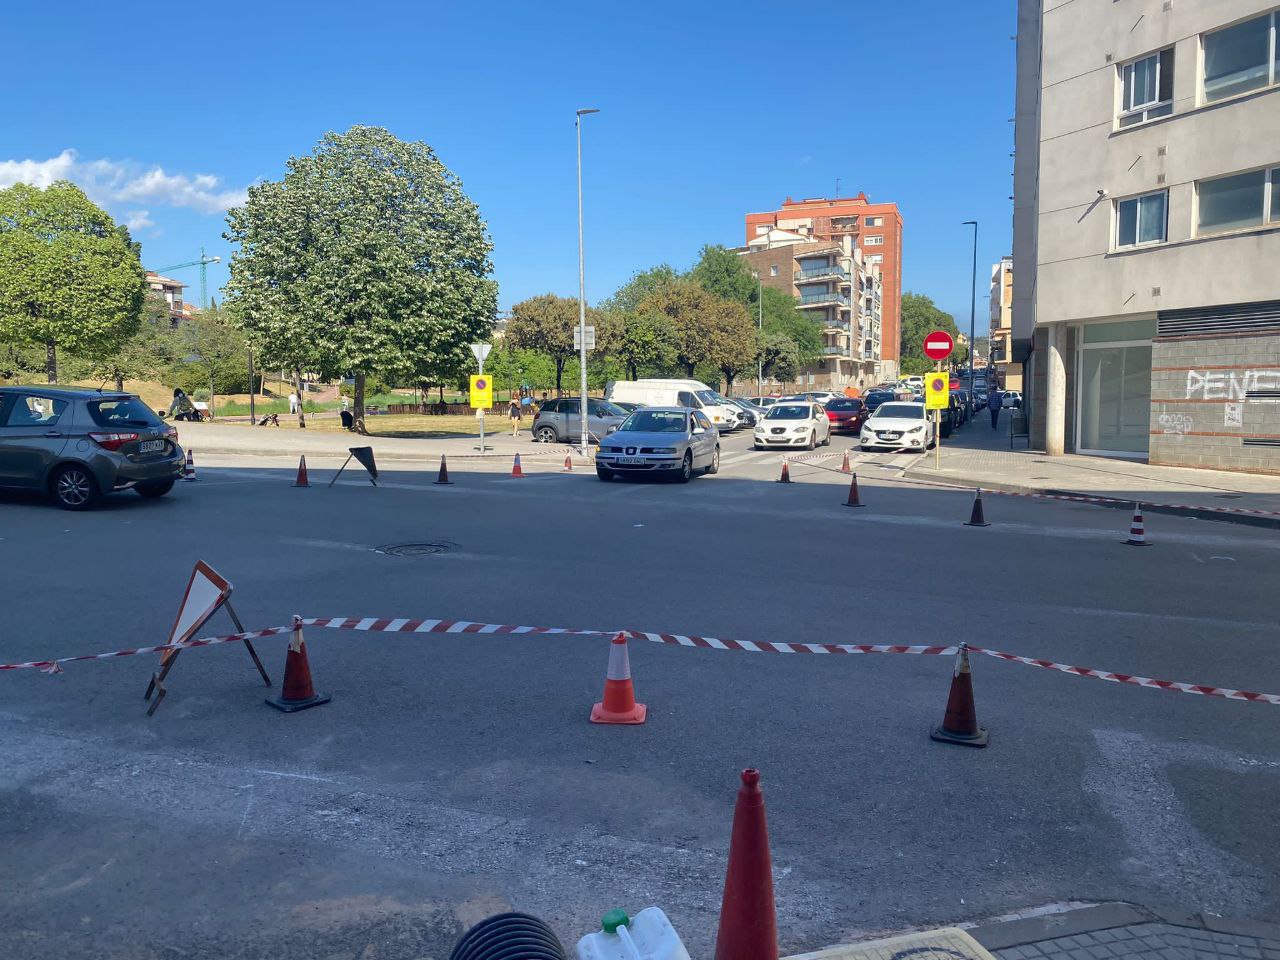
<point x="875" y="259"/>
<point x="1146" y="88"/>
<point x="773" y="270"/>
<point x="1238" y="202"/>
<point x="1142" y="220"/>
<point x="873" y="221"/>
<point x="1241" y="58"/>
<point x="873" y="241"/>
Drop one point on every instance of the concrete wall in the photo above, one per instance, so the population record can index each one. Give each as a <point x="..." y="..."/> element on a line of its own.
<point x="1081" y="152"/>
<point x="1201" y="410"/>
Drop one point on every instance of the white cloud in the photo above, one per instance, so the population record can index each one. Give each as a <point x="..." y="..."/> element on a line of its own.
<point x="111" y="181"/>
<point x="139" y="220"/>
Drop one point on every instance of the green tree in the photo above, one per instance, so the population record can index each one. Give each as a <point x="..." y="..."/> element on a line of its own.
<point x="781" y="315"/>
<point x="366" y="258"/>
<point x="920" y="316"/>
<point x="546" y="323"/>
<point x="722" y="272"/>
<point x="779" y="356"/>
<point x="647" y="341"/>
<point x="68" y="276"/>
<point x="150" y="354"/>
<point x="642" y="284"/>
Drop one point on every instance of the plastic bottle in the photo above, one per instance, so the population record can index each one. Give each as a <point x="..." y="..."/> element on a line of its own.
<point x="646" y="936"/>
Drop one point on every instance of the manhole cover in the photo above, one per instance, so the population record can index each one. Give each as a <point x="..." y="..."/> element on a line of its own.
<point x="426" y="548"/>
<point x="1230" y="496"/>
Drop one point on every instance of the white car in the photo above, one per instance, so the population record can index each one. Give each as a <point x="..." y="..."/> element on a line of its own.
<point x="898" y="426"/>
<point x="793" y="424"/>
<point x="1012" y="398"/>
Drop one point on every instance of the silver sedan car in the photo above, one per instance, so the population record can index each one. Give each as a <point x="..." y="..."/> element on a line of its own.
<point x="663" y="441"/>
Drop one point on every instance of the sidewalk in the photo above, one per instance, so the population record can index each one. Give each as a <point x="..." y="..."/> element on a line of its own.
<point x="977" y="456"/>
<point x="1104" y="931"/>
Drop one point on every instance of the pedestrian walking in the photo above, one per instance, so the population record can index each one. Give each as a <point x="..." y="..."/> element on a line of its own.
<point x="995" y="400"/>
<point x="516" y="414"/>
<point x="293" y="402"/>
<point x="346" y="402"/>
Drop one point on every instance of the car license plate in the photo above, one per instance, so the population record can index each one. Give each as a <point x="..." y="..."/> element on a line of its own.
<point x="629" y="460"/>
<point x="150" y="446"/>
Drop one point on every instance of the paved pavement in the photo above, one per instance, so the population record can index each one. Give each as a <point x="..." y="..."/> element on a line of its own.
<point x="455" y="775"/>
<point x="980" y="456"/>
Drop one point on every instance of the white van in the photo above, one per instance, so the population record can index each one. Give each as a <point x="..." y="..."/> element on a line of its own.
<point x="657" y="392"/>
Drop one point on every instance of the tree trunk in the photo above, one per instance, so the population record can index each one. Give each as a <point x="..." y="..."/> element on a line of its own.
<point x="559" y="376"/>
<point x="297" y="388"/>
<point x="51" y="361"/>
<point x="688" y="370"/>
<point x="632" y="369"/>
<point x="357" y="403"/>
<point x="119" y="382"/>
<point x="442" y="393"/>
<point x="728" y="383"/>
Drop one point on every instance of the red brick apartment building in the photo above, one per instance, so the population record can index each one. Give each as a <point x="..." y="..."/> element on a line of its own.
<point x="876" y="230"/>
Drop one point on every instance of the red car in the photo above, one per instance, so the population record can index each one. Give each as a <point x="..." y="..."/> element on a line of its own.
<point x="847" y="415"/>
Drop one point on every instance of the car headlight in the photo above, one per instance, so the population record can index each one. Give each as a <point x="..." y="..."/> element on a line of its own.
<point x="664" y="449"/>
<point x="799" y="429"/>
<point x="916" y="430"/>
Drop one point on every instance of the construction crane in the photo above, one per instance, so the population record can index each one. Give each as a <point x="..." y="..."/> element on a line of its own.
<point x="203" y="264"/>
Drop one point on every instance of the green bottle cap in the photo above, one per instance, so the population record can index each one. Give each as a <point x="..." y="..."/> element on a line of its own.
<point x="615" y="919"/>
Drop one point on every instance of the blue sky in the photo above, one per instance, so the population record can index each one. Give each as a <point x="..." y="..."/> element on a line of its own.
<point x="709" y="110"/>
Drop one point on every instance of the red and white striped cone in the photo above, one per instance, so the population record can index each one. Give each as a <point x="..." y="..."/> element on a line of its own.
<point x="515" y="468"/>
<point x="619" y="704"/>
<point x="297" y="691"/>
<point x="960" y="722"/>
<point x="189" y="468"/>
<point x="845" y="467"/>
<point x="786" y="474"/>
<point x="1137" y="532"/>
<point x="568" y="464"/>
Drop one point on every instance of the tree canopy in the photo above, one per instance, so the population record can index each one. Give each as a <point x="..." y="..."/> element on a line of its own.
<point x="546" y="323"/>
<point x="69" y="277"/>
<point x="921" y="316"/>
<point x="721" y="271"/>
<point x="367" y="257"/>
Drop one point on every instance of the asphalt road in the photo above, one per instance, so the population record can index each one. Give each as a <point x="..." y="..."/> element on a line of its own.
<point x="455" y="776"/>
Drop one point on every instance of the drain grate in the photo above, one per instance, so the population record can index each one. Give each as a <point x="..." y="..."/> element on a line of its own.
<point x="425" y="548"/>
<point x="1229" y="496"/>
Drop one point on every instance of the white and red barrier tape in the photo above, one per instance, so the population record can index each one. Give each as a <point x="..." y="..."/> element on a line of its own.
<point x="405" y="625"/>
<point x="55" y="666"/>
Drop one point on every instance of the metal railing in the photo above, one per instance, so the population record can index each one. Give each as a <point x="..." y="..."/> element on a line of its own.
<point x="823" y="296"/>
<point x="826" y="270"/>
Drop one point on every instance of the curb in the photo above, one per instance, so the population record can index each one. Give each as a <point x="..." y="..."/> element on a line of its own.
<point x="968" y="481"/>
<point x="1003" y="935"/>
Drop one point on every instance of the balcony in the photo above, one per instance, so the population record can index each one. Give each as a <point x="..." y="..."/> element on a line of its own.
<point x="829" y="351"/>
<point x="820" y="272"/>
<point x="822" y="298"/>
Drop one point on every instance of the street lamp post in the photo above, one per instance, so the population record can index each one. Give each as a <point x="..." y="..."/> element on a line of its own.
<point x="973" y="301"/>
<point x="582" y="284"/>
<point x="759" y="333"/>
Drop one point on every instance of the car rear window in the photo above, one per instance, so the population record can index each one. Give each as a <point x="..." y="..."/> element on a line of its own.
<point x="121" y="412"/>
<point x="845" y="404"/>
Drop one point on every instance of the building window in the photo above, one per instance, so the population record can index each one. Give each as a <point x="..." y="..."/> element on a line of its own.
<point x="1142" y="219"/>
<point x="1146" y="88"/>
<point x="873" y="221"/>
<point x="1237" y="202"/>
<point x="773" y="270"/>
<point x="761" y="229"/>
<point x="873" y="241"/>
<point x="1240" y="58"/>
<point x="875" y="259"/>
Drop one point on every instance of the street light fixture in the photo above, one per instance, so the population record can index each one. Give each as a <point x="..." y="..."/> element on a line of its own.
<point x="973" y="300"/>
<point x="582" y="283"/>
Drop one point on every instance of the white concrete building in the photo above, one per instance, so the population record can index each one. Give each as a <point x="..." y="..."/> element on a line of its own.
<point x="1147" y="228"/>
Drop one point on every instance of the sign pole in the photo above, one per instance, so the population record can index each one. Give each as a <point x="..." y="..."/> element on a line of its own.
<point x="481" y="394"/>
<point x="937" y="432"/>
<point x="482" y="410"/>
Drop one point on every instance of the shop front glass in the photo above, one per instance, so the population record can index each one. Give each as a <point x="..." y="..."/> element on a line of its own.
<point x="1114" y="392"/>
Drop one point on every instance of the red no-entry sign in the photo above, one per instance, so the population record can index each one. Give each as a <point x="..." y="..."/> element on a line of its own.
<point x="938" y="345"/>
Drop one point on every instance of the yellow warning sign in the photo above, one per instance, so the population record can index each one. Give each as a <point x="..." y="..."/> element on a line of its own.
<point x="481" y="392"/>
<point x="937" y="391"/>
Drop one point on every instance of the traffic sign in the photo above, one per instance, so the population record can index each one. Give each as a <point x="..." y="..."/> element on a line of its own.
<point x="481" y="392"/>
<point x="938" y="345"/>
<point x="937" y="391"/>
<point x="577" y="338"/>
<point x="480" y="351"/>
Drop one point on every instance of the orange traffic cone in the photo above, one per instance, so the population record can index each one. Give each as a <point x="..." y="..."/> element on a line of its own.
<point x="854" y="500"/>
<point x="844" y="467"/>
<point x="515" y="468"/>
<point x="976" y="518"/>
<point x="960" y="722"/>
<point x="1137" y="531"/>
<point x="786" y="474"/>
<point x="189" y="468"/>
<point x="568" y="463"/>
<point x="297" y="692"/>
<point x="619" y="704"/>
<point x="444" y="471"/>
<point x="748" y="921"/>
<point x="301" y="481"/>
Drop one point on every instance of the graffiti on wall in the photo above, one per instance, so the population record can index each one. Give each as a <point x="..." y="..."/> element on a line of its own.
<point x="1229" y="384"/>
<point x="1177" y="423"/>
